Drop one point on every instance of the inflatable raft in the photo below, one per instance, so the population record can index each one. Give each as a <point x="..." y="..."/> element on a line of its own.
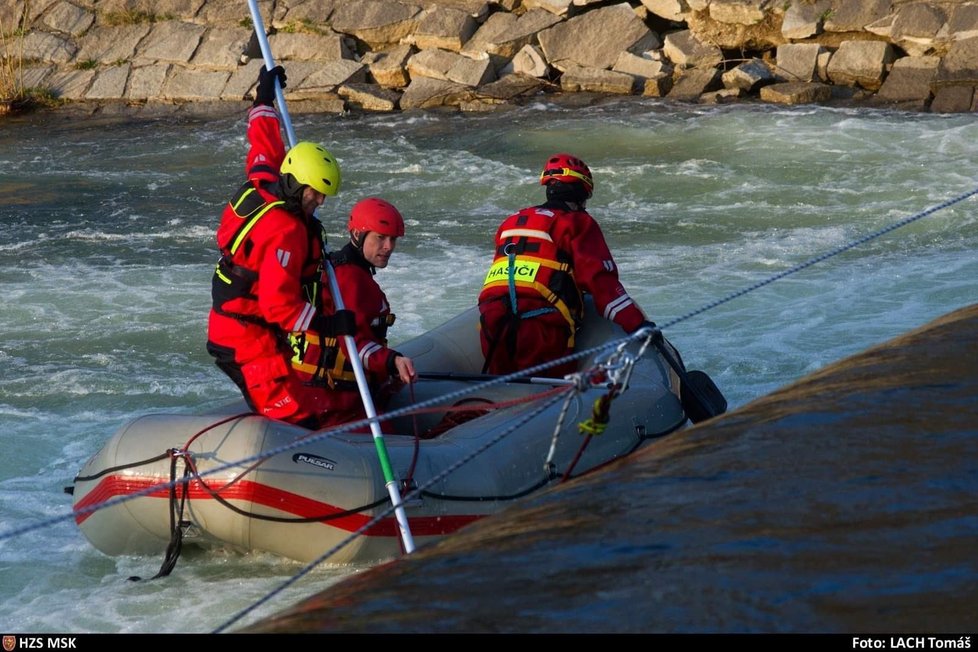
<point x="229" y="479"/>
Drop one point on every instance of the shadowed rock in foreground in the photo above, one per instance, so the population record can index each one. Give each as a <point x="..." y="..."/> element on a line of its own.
<point x="844" y="503"/>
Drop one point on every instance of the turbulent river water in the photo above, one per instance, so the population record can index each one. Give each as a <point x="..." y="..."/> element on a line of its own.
<point x="106" y="251"/>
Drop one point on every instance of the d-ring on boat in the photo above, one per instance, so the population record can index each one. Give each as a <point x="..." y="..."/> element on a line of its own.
<point x="297" y="493"/>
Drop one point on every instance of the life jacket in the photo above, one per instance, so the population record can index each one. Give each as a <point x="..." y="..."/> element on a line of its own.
<point x="528" y="262"/>
<point x="321" y="360"/>
<point x="233" y="280"/>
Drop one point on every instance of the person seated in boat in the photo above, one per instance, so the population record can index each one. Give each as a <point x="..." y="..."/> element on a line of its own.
<point x="545" y="257"/>
<point x="265" y="285"/>
<point x="374" y="227"/>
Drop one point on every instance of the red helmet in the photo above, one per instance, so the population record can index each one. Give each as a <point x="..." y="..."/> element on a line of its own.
<point x="375" y="214"/>
<point x="567" y="169"/>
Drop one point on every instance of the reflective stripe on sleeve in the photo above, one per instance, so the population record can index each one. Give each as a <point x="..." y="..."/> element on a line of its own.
<point x="262" y="111"/>
<point x="612" y="309"/>
<point x="368" y="349"/>
<point x="305" y="319"/>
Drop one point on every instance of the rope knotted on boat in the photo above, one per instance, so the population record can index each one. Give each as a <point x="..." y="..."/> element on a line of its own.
<point x="177" y="505"/>
<point x="600" y="415"/>
<point x="616" y="368"/>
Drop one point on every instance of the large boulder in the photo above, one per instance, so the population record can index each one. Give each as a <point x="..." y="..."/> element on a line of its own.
<point x="222" y="47"/>
<point x="103" y="43"/>
<point x="960" y="66"/>
<point x="109" y="83"/>
<point x="803" y="62"/>
<point x="595" y="39"/>
<point x="46" y="48"/>
<point x="916" y="27"/>
<point x="504" y="34"/>
<point x="687" y="50"/>
<point x="426" y="93"/>
<point x="671" y="10"/>
<point x="740" y="24"/>
<point x="296" y="12"/>
<point x="796" y="93"/>
<point x="308" y="46"/>
<point x="378" y="23"/>
<point x="954" y="99"/>
<point x="389" y="67"/>
<point x="910" y="79"/>
<point x="597" y="80"/>
<point x="68" y="18"/>
<point x="855" y="15"/>
<point x="191" y="85"/>
<point x="861" y="63"/>
<point x="804" y="19"/>
<point x="171" y="40"/>
<point x="693" y="83"/>
<point x="963" y="22"/>
<point x="748" y="76"/>
<point x="445" y="65"/>
<point x="444" y="28"/>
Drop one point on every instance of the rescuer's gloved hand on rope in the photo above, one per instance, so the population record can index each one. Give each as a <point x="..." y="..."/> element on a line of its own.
<point x="341" y="322"/>
<point x="655" y="335"/>
<point x="266" y="84"/>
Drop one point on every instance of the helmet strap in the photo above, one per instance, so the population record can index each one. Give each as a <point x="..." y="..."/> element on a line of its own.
<point x="357" y="238"/>
<point x="291" y="188"/>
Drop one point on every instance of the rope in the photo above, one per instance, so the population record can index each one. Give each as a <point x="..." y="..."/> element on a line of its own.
<point x="323" y="434"/>
<point x="173" y="549"/>
<point x="215" y="493"/>
<point x="641" y="335"/>
<point x="823" y="257"/>
<point x="600" y="416"/>
<point x="638" y="335"/>
<point x="388" y="511"/>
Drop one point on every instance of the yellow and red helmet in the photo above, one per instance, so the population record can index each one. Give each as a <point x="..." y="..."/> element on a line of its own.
<point x="567" y="168"/>
<point x="378" y="215"/>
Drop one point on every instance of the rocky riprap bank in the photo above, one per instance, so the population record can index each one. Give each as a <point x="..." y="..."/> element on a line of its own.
<point x="386" y="55"/>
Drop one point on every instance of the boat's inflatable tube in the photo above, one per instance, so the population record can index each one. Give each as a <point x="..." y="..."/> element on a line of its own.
<point x="284" y="489"/>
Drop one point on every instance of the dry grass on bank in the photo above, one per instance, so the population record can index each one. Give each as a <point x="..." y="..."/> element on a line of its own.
<point x="15" y="97"/>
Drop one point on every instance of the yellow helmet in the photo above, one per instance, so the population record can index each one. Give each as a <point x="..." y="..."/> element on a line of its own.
<point x="312" y="165"/>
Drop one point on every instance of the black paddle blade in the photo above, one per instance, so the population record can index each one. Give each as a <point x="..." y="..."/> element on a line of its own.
<point x="701" y="398"/>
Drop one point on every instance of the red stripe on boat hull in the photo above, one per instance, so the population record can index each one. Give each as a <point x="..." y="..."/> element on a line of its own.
<point x="113" y="486"/>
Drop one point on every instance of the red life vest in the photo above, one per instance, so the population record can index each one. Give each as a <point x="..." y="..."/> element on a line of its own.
<point x="233" y="283"/>
<point x="321" y="360"/>
<point x="528" y="264"/>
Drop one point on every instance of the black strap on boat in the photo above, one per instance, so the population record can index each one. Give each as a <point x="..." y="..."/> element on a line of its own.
<point x="121" y="467"/>
<point x="173" y="548"/>
<point x="295" y="519"/>
<point x="70" y="490"/>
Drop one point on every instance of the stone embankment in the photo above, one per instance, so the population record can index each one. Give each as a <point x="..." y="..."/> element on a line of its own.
<point x="472" y="55"/>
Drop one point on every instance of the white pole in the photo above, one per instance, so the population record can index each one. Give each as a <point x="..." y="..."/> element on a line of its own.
<point x="351" y="344"/>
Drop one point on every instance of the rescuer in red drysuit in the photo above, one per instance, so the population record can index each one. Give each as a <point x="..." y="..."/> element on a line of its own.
<point x="266" y="286"/>
<point x="546" y="256"/>
<point x="374" y="226"/>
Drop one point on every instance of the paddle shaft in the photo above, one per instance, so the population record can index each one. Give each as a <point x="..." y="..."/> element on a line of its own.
<point x="351" y="345"/>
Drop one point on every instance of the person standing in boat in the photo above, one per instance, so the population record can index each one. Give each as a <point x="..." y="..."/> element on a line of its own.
<point x="546" y="256"/>
<point x="266" y="285"/>
<point x="374" y="227"/>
